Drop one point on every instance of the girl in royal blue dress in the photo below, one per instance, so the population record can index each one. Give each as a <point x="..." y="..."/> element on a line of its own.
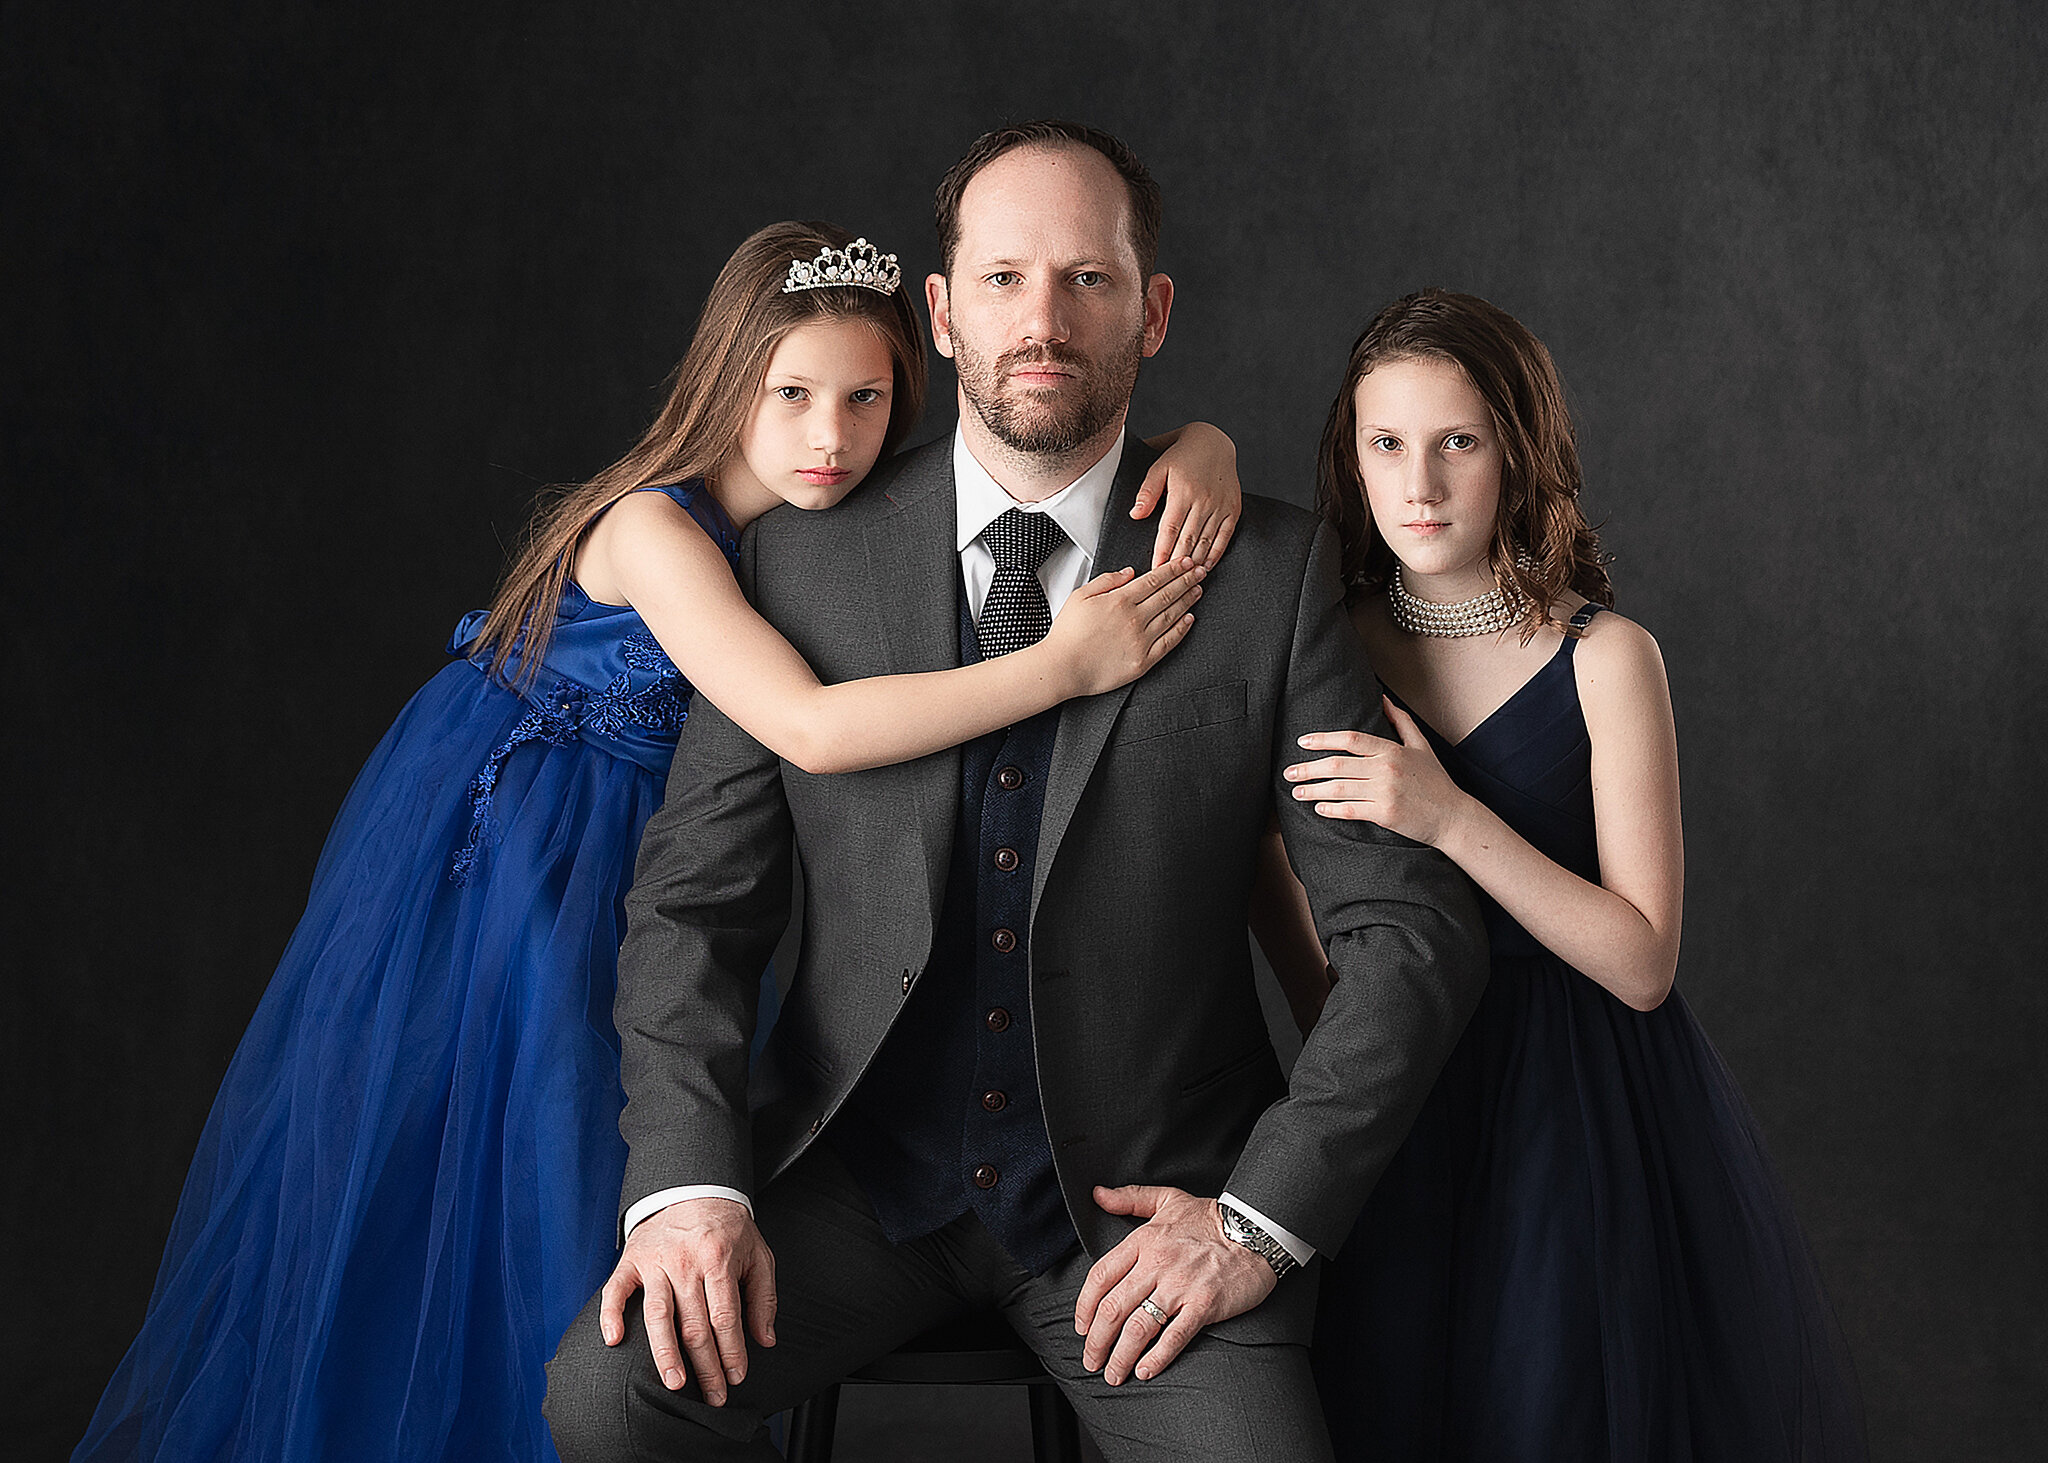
<point x="1581" y="1251"/>
<point x="408" y="1185"/>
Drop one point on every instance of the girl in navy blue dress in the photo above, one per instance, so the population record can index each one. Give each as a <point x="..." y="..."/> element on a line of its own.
<point x="1581" y="1251"/>
<point x="409" y="1182"/>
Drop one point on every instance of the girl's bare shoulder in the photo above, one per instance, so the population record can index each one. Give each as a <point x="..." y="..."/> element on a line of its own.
<point x="1618" y="662"/>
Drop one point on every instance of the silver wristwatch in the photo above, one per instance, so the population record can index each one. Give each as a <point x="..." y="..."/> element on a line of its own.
<point x="1240" y="1230"/>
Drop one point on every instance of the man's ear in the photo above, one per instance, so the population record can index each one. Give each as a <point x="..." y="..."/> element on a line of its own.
<point x="938" y="305"/>
<point x="1158" y="306"/>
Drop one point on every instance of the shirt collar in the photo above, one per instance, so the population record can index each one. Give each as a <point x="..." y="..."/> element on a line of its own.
<point x="1077" y="508"/>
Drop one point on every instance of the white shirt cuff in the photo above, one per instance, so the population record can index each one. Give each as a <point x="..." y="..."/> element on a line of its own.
<point x="654" y="1203"/>
<point x="1291" y="1242"/>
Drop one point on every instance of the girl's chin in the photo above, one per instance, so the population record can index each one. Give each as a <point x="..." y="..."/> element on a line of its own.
<point x="811" y="497"/>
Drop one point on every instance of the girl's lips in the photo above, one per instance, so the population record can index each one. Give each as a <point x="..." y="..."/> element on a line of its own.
<point x="1427" y="527"/>
<point x="824" y="476"/>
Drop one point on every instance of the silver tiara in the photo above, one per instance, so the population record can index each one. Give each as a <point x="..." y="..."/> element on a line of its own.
<point x="859" y="263"/>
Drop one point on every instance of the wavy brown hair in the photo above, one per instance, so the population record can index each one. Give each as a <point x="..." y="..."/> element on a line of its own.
<point x="1539" y="479"/>
<point x="710" y="395"/>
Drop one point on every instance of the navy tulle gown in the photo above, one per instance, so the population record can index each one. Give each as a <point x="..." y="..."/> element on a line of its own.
<point x="409" y="1182"/>
<point x="1581" y="1251"/>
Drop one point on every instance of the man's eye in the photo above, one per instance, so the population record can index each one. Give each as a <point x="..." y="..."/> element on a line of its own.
<point x="1089" y="279"/>
<point x="790" y="393"/>
<point x="1003" y="278"/>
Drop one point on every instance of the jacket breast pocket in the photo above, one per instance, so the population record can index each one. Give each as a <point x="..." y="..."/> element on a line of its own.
<point x="1161" y="716"/>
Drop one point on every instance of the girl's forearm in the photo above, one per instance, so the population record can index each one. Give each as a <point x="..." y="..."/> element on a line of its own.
<point x="1593" y="929"/>
<point x="880" y="720"/>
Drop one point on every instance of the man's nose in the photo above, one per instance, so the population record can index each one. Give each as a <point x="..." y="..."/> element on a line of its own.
<point x="1043" y="319"/>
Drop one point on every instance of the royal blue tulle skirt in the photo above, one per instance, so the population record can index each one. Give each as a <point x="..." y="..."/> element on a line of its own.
<point x="409" y="1182"/>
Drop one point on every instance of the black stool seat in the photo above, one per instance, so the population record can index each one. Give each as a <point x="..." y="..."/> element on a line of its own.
<point x="975" y="1350"/>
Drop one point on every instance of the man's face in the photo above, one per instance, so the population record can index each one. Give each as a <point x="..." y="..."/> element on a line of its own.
<point x="1045" y="314"/>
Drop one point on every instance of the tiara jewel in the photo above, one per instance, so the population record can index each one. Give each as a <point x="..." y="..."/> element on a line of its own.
<point x="859" y="263"/>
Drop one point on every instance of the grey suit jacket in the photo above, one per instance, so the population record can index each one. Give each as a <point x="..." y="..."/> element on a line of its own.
<point x="1153" y="1060"/>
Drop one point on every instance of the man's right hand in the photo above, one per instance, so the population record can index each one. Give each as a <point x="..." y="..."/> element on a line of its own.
<point x="695" y="1261"/>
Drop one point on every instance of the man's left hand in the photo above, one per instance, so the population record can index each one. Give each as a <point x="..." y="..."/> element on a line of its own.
<point x="1181" y="1262"/>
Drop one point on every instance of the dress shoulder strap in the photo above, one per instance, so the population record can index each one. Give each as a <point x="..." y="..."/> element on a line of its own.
<point x="1585" y="615"/>
<point x="694" y="498"/>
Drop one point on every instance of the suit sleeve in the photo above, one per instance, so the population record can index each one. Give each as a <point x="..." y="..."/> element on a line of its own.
<point x="710" y="898"/>
<point x="1402" y="929"/>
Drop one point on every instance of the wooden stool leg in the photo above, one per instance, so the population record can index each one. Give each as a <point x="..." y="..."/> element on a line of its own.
<point x="811" y="1424"/>
<point x="1055" y="1430"/>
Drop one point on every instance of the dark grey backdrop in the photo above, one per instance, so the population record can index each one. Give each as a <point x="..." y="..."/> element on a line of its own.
<point x="301" y="305"/>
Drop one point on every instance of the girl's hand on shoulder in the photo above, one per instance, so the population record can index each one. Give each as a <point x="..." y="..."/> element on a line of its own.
<point x="1197" y="476"/>
<point x="1119" y="625"/>
<point x="1399" y="785"/>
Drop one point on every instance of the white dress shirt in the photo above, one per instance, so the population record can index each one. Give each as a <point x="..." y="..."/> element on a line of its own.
<point x="980" y="500"/>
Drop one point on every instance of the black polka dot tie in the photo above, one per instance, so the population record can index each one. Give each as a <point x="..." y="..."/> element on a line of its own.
<point x="1016" y="614"/>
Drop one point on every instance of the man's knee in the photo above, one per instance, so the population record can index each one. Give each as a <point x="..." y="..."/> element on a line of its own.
<point x="588" y="1387"/>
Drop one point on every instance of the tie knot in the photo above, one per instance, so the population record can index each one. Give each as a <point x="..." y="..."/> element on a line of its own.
<point x="1020" y="540"/>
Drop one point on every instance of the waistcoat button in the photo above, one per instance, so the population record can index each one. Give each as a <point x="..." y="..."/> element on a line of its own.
<point x="985" y="1176"/>
<point x="1004" y="940"/>
<point x="1010" y="779"/>
<point x="994" y="1101"/>
<point x="1006" y="859"/>
<point x="998" y="1019"/>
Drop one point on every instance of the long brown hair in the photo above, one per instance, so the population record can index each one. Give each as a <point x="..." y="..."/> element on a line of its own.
<point x="1539" y="512"/>
<point x="709" y="397"/>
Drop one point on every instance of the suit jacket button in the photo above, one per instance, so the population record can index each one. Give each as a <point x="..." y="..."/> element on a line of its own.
<point x="985" y="1176"/>
<point x="1006" y="859"/>
<point x="994" y="1101"/>
<point x="1004" y="940"/>
<point x="998" y="1019"/>
<point x="1010" y="779"/>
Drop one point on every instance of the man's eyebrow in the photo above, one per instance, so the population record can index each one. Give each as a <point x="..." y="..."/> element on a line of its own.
<point x="1084" y="262"/>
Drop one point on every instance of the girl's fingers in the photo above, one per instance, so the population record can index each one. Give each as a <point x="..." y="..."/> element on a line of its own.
<point x="1218" y="544"/>
<point x="1337" y="790"/>
<point x="1359" y="744"/>
<point x="1330" y="767"/>
<point x="1149" y="492"/>
<point x="1167" y="582"/>
<point x="1170" y="525"/>
<point x="1167" y="608"/>
<point x="1170" y="637"/>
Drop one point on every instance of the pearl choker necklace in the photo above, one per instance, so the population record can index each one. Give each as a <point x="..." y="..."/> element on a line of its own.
<point x="1487" y="614"/>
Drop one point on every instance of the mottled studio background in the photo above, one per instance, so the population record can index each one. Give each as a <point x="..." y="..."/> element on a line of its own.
<point x="302" y="303"/>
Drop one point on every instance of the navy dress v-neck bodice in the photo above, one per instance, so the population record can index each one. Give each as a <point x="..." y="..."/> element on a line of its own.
<point x="1581" y="1251"/>
<point x="409" y="1182"/>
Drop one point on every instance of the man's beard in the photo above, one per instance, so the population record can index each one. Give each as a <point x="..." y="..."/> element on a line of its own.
<point x="1048" y="423"/>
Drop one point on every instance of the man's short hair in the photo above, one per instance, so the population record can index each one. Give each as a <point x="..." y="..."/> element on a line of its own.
<point x="1050" y="132"/>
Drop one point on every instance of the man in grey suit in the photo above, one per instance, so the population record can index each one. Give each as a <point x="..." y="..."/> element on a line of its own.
<point x="1025" y="979"/>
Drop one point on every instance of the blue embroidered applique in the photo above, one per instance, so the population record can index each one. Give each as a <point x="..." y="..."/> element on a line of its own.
<point x="662" y="705"/>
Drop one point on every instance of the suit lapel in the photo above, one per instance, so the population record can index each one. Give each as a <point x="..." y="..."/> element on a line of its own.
<point x="1085" y="724"/>
<point x="913" y="580"/>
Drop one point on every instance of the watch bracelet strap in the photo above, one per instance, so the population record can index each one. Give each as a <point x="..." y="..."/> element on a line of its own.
<point x="1254" y="1238"/>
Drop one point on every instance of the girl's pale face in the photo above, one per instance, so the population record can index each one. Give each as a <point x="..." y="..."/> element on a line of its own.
<point x="818" y="419"/>
<point x="1431" y="460"/>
